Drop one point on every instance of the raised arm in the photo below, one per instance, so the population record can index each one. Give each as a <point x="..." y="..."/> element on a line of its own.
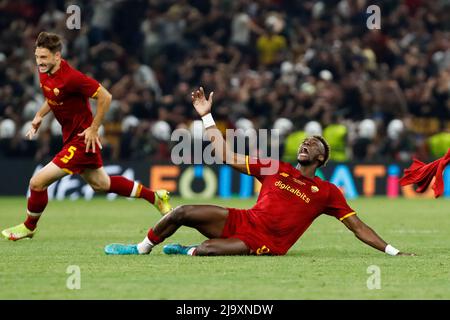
<point x="221" y="147"/>
<point x="367" y="235"/>
<point x="37" y="121"/>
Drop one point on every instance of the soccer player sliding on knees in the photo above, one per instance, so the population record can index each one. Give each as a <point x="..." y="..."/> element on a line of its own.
<point x="291" y="198"/>
<point x="67" y="92"/>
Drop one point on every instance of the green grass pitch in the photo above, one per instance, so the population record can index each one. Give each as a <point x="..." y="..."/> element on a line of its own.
<point x="328" y="262"/>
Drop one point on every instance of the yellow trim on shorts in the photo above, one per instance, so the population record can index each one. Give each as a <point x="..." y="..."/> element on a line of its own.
<point x="347" y="215"/>
<point x="67" y="170"/>
<point x="138" y="191"/>
<point x="247" y="166"/>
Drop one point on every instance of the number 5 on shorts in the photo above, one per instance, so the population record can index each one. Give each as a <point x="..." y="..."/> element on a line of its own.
<point x="69" y="156"/>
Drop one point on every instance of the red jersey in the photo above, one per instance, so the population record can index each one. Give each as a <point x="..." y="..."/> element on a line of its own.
<point x="67" y="92"/>
<point x="289" y="202"/>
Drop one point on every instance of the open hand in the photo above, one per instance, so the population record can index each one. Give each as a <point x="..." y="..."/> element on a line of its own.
<point x="35" y="124"/>
<point x="91" y="138"/>
<point x="200" y="103"/>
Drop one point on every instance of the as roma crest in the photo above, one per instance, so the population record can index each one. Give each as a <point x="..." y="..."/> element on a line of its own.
<point x="314" y="189"/>
<point x="56" y="91"/>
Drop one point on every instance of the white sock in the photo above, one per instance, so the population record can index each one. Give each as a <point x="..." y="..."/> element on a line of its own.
<point x="145" y="246"/>
<point x="191" y="251"/>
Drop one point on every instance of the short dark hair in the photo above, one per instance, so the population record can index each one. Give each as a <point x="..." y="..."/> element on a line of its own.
<point x="327" y="150"/>
<point x="50" y="41"/>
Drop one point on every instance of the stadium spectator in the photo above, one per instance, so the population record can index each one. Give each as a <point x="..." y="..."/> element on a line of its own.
<point x="398" y="144"/>
<point x="439" y="144"/>
<point x="336" y="135"/>
<point x="364" y="147"/>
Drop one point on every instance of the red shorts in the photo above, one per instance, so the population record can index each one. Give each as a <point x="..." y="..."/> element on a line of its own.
<point x="240" y="226"/>
<point x="74" y="160"/>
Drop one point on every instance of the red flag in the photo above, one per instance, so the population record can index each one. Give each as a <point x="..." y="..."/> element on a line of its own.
<point x="421" y="174"/>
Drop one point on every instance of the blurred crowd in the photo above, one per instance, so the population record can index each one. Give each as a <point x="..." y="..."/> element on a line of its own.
<point x="303" y="67"/>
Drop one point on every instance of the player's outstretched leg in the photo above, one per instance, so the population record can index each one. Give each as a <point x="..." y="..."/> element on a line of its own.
<point x="99" y="180"/>
<point x="36" y="202"/>
<point x="212" y="247"/>
<point x="176" y="248"/>
<point x="208" y="220"/>
<point x="144" y="247"/>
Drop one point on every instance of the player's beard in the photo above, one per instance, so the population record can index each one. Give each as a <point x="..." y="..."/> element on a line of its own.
<point x="50" y="67"/>
<point x="305" y="162"/>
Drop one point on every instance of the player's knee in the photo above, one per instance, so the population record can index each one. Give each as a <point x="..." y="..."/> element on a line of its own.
<point x="180" y="215"/>
<point x="207" y="248"/>
<point x="36" y="184"/>
<point x="99" y="186"/>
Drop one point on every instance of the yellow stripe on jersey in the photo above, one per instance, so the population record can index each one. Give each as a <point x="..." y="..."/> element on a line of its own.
<point x="347" y="215"/>
<point x="96" y="92"/>
<point x="247" y="166"/>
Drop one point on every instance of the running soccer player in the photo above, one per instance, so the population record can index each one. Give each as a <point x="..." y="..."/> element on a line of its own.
<point x="289" y="201"/>
<point x="67" y="92"/>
